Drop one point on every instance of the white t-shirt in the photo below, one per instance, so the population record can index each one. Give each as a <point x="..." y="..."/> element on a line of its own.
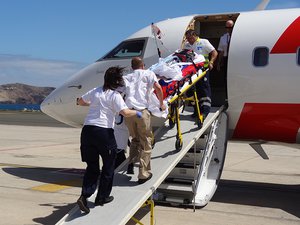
<point x="223" y="44"/>
<point x="139" y="85"/>
<point x="200" y="46"/>
<point x="104" y="105"/>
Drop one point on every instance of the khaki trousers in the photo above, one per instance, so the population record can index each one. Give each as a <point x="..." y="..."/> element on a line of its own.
<point x="141" y="144"/>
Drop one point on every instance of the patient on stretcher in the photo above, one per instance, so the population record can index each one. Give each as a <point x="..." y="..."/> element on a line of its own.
<point x="179" y="66"/>
<point x="174" y="72"/>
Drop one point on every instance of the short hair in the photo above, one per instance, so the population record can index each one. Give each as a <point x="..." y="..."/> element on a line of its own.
<point x="113" y="78"/>
<point x="137" y="63"/>
<point x="191" y="32"/>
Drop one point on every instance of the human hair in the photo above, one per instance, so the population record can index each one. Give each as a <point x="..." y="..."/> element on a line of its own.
<point x="137" y="63"/>
<point x="113" y="78"/>
<point x="190" y="32"/>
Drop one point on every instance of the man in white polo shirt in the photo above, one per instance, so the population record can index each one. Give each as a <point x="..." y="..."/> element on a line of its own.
<point x="204" y="47"/>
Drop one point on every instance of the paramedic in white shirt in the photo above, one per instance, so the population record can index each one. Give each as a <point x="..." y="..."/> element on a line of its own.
<point x="205" y="48"/>
<point x="224" y="46"/>
<point x="139" y="86"/>
<point x="97" y="136"/>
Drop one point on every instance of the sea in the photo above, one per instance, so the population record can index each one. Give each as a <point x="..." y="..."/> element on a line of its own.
<point x="20" y="107"/>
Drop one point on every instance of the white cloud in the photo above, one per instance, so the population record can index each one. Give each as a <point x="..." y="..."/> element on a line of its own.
<point x="37" y="72"/>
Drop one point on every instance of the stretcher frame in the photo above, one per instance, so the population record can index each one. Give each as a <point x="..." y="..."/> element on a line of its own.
<point x="175" y="103"/>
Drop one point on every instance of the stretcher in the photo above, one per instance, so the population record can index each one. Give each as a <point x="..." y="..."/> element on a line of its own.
<point x="178" y="73"/>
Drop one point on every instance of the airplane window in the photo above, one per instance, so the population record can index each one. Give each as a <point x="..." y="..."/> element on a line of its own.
<point x="131" y="48"/>
<point x="261" y="56"/>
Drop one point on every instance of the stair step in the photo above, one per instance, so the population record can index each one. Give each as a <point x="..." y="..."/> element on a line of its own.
<point x="200" y="143"/>
<point x="176" y="187"/>
<point x="190" y="157"/>
<point x="184" y="170"/>
<point x="179" y="192"/>
<point x="183" y="180"/>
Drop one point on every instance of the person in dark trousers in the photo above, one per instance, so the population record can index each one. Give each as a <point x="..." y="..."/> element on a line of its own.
<point x="224" y="46"/>
<point x="204" y="47"/>
<point x="223" y="49"/>
<point x="97" y="137"/>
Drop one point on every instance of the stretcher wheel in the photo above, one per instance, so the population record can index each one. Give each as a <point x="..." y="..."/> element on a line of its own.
<point x="178" y="144"/>
<point x="171" y="123"/>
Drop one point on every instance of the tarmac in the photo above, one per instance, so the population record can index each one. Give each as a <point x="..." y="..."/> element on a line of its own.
<point x="41" y="173"/>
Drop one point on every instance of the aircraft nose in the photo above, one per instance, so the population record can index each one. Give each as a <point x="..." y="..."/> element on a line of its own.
<point x="50" y="104"/>
<point x="61" y="105"/>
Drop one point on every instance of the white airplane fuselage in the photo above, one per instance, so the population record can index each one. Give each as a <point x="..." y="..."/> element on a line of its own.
<point x="263" y="77"/>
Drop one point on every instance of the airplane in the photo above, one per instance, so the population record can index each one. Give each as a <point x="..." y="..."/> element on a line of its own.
<point x="260" y="94"/>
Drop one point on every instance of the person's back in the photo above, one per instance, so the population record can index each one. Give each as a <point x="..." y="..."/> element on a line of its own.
<point x="139" y="85"/>
<point x="101" y="112"/>
<point x="97" y="137"/>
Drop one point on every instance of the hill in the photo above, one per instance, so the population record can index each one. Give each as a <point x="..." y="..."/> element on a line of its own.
<point x="23" y="94"/>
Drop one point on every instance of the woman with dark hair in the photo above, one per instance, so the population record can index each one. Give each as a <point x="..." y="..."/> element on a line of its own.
<point x="97" y="136"/>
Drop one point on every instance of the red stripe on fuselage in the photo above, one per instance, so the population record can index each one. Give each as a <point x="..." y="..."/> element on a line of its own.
<point x="289" y="41"/>
<point x="268" y="121"/>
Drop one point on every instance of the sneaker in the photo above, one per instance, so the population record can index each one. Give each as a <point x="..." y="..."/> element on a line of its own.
<point x="141" y="181"/>
<point x="102" y="201"/>
<point x="130" y="168"/>
<point x="82" y="203"/>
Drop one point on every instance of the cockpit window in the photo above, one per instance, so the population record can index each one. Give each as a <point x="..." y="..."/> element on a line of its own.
<point x="126" y="49"/>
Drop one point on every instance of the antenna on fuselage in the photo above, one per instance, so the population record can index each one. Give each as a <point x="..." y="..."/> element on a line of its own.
<point x="157" y="34"/>
<point x="262" y="5"/>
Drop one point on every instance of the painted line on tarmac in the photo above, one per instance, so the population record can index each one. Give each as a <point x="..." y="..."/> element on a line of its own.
<point x="58" y="187"/>
<point x="18" y="165"/>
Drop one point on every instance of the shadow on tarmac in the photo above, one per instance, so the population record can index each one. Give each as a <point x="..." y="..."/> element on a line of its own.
<point x="284" y="197"/>
<point x="59" y="176"/>
<point x="58" y="213"/>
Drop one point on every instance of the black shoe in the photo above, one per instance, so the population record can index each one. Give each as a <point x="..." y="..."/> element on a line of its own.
<point x="102" y="201"/>
<point x="82" y="203"/>
<point x="141" y="181"/>
<point x="130" y="168"/>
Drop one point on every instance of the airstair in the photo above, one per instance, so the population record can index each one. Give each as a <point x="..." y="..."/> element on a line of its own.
<point x="189" y="176"/>
<point x="194" y="179"/>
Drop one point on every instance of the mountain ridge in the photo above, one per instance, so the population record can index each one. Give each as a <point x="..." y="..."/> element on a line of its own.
<point x="18" y="93"/>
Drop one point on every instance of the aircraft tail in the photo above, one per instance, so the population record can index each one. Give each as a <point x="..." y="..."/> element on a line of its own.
<point x="262" y="5"/>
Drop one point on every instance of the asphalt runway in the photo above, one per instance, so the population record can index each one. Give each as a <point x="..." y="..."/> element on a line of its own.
<point x="35" y="118"/>
<point x="41" y="172"/>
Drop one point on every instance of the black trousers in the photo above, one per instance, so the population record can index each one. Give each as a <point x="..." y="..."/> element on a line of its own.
<point x="95" y="142"/>
<point x="203" y="91"/>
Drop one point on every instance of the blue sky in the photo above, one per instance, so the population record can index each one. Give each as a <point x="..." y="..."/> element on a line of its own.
<point x="42" y="43"/>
